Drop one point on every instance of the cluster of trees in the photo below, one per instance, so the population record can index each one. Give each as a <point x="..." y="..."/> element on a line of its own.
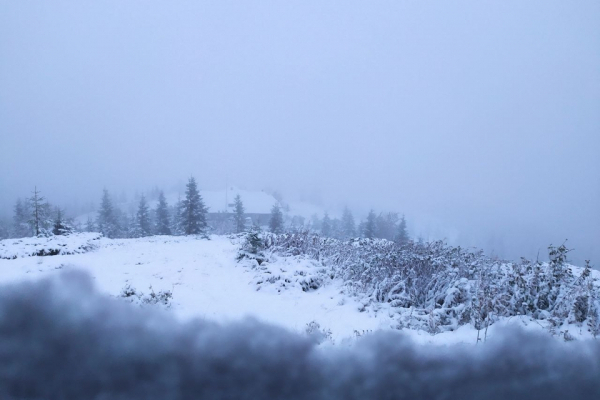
<point x="186" y="217"/>
<point x="388" y="226"/>
<point x="35" y="216"/>
<point x="189" y="216"/>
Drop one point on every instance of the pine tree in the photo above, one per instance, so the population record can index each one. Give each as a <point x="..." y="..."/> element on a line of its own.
<point x="386" y="225"/>
<point x="21" y="227"/>
<point x="193" y="211"/>
<point x="61" y="227"/>
<point x="162" y="226"/>
<point x="107" y="221"/>
<point x="238" y="215"/>
<point x="141" y="223"/>
<point x="276" y="221"/>
<point x="402" y="237"/>
<point x="326" y="226"/>
<point x="40" y="220"/>
<point x="348" y="225"/>
<point x="369" y="232"/>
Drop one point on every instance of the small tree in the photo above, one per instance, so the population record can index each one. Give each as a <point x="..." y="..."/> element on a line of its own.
<point x="402" y="237"/>
<point x="348" y="225"/>
<point x="40" y="213"/>
<point x="193" y="211"/>
<point x="238" y="215"/>
<point x="107" y="221"/>
<point x="370" y="225"/>
<point x="21" y="227"/>
<point x="141" y="221"/>
<point x="162" y="226"/>
<point x="61" y="227"/>
<point x="276" y="221"/>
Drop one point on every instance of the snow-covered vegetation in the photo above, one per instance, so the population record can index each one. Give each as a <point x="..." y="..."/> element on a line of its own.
<point x="75" y="243"/>
<point x="433" y="286"/>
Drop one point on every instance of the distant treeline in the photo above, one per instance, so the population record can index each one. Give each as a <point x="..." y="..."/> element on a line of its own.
<point x="35" y="216"/>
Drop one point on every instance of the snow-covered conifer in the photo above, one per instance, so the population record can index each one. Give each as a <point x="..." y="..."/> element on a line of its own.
<point x="402" y="234"/>
<point x="239" y="221"/>
<point x="369" y="229"/>
<point x="193" y="211"/>
<point x="276" y="221"/>
<point x="21" y="227"/>
<point x="163" y="225"/>
<point x="107" y="220"/>
<point x="348" y="226"/>
<point x="61" y="226"/>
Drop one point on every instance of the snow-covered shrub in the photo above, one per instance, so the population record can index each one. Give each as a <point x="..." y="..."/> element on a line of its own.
<point x="75" y="243"/>
<point x="437" y="287"/>
<point x="314" y="330"/>
<point x="252" y="247"/>
<point x="162" y="298"/>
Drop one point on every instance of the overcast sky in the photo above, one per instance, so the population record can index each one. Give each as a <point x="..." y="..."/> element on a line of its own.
<point x="481" y="116"/>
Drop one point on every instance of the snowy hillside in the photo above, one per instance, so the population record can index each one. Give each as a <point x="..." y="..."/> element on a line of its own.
<point x="206" y="281"/>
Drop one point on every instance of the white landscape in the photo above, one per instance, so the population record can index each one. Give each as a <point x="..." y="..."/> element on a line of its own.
<point x="207" y="282"/>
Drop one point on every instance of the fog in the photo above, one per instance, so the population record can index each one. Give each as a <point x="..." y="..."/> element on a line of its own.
<point x="61" y="339"/>
<point x="479" y="121"/>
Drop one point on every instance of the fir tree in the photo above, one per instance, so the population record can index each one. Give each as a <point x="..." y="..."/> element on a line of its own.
<point x="238" y="215"/>
<point x="193" y="211"/>
<point x="402" y="237"/>
<point x="348" y="225"/>
<point x="276" y="221"/>
<point x="39" y="213"/>
<point x="386" y="226"/>
<point x="141" y="223"/>
<point x="21" y="227"/>
<point x="326" y="226"/>
<point x="61" y="227"/>
<point x="107" y="221"/>
<point x="369" y="232"/>
<point x="162" y="226"/>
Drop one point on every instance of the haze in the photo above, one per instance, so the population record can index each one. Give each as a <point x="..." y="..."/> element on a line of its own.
<point x="480" y="121"/>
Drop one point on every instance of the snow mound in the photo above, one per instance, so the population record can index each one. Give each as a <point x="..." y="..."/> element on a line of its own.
<point x="76" y="243"/>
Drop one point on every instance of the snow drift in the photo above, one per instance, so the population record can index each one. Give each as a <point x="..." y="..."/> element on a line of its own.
<point x="59" y="338"/>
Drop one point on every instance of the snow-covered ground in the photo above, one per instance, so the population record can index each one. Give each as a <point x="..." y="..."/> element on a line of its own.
<point x="207" y="282"/>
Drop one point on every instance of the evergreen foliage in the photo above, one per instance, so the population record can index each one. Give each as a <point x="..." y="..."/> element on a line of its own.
<point x="39" y="217"/>
<point x="348" y="227"/>
<point x="402" y="237"/>
<point x="239" y="221"/>
<point x="193" y="211"/>
<point x="141" y="225"/>
<point x="386" y="225"/>
<point x="107" y="222"/>
<point x="61" y="226"/>
<point x="21" y="227"/>
<point x="276" y="221"/>
<point x="163" y="224"/>
<point x="369" y="229"/>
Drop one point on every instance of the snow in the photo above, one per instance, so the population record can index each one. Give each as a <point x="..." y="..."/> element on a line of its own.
<point x="208" y="283"/>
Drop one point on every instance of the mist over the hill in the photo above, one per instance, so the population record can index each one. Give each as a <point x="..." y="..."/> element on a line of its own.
<point x="479" y="121"/>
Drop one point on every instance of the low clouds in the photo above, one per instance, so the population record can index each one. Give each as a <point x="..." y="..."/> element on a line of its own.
<point x="59" y="338"/>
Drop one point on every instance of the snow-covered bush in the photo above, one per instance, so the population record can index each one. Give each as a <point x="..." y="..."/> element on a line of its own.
<point x="437" y="287"/>
<point x="75" y="243"/>
<point x="162" y="298"/>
